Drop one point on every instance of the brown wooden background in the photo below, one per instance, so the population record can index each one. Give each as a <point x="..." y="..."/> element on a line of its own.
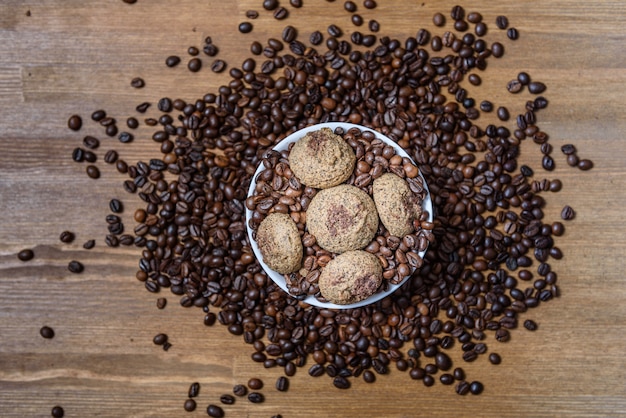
<point x="60" y="57"/>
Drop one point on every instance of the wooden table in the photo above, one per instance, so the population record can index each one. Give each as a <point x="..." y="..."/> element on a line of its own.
<point x="62" y="57"/>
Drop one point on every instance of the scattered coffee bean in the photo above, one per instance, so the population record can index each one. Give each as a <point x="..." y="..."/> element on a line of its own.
<point x="502" y="22"/>
<point x="240" y="390"/>
<point x="167" y="345"/>
<point x="161" y="303"/>
<point x="512" y="34"/>
<point x="89" y="244"/>
<point x="227" y="399"/>
<point x="57" y="412"/>
<point x="282" y="384"/>
<point x="116" y="206"/>
<point x="530" y="325"/>
<point x="46" y="332"/>
<point x="369" y="4"/>
<point x="476" y="388"/>
<point x="215" y="411"/>
<point x="137" y="82"/>
<point x="67" y="237"/>
<point x="98" y="115"/>
<point x="281" y="13"/>
<point x="255" y="384"/>
<point x="462" y="388"/>
<point x="194" y="65"/>
<point x="172" y="61"/>
<point x="75" y="123"/>
<point x="245" y="27"/>
<point x="439" y="19"/>
<point x="585" y="164"/>
<point x="91" y="142"/>
<point x="218" y="66"/>
<point x="160" y="339"/>
<point x="494" y="358"/>
<point x="75" y="267"/>
<point x="567" y="213"/>
<point x="270" y="4"/>
<point x="256" y="397"/>
<point x="190" y="405"/>
<point x="536" y="87"/>
<point x="93" y="171"/>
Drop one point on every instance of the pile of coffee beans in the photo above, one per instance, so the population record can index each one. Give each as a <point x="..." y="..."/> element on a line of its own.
<point x="489" y="261"/>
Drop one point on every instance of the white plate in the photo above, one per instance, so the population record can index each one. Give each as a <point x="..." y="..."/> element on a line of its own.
<point x="284" y="145"/>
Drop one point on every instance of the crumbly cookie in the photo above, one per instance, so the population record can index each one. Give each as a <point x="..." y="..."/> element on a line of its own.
<point x="279" y="242"/>
<point x="342" y="218"/>
<point x="397" y="206"/>
<point x="350" y="277"/>
<point x="322" y="159"/>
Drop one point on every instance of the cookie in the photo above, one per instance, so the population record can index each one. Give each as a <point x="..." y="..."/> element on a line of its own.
<point x="350" y="277"/>
<point x="342" y="218"/>
<point x="322" y="159"/>
<point x="279" y="242"/>
<point x="397" y="206"/>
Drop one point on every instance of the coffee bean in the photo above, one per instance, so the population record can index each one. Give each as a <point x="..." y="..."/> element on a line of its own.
<point x="227" y="399"/>
<point x="160" y="339"/>
<point x="373" y="25"/>
<point x="512" y="34"/>
<point x="497" y="49"/>
<point x="137" y="82"/>
<point x="75" y="266"/>
<point x="88" y="245"/>
<point x="270" y="4"/>
<point x="132" y="123"/>
<point x="46" y="332"/>
<point x="514" y="86"/>
<point x="503" y="113"/>
<point x="462" y="388"/>
<point x="74" y="122"/>
<point x="218" y="66"/>
<point x="161" y="303"/>
<point x="439" y="19"/>
<point x="98" y="115"/>
<point x="240" y="390"/>
<point x="67" y="237"/>
<point x="495" y="358"/>
<point x="585" y="164"/>
<point x="194" y="388"/>
<point x="316" y="38"/>
<point x="190" y="405"/>
<point x="295" y="3"/>
<point x="502" y="22"/>
<point x="172" y="61"/>
<point x="289" y="34"/>
<point x="536" y="87"/>
<point x="245" y="27"/>
<point x="282" y="384"/>
<point x="167" y="345"/>
<point x="215" y="411"/>
<point x="255" y="384"/>
<point x="252" y="14"/>
<point x="568" y="149"/>
<point x="116" y="206"/>
<point x="280" y="13"/>
<point x="369" y="4"/>
<point x="256" y="397"/>
<point x="91" y="142"/>
<point x="341" y="382"/>
<point x="567" y="213"/>
<point x="57" y="412"/>
<point x="476" y="388"/>
<point x="194" y="65"/>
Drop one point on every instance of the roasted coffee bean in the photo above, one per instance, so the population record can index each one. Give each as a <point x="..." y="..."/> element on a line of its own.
<point x="137" y="82"/>
<point x="46" y="332"/>
<point x="373" y="25"/>
<point x="316" y="38"/>
<point x="502" y="22"/>
<point x="512" y="34"/>
<point x="194" y="65"/>
<point x="536" y="87"/>
<point x="245" y="27"/>
<point x="295" y="3"/>
<point x="585" y="164"/>
<point x="91" y="142"/>
<point x="289" y="34"/>
<point x="215" y="411"/>
<point x="88" y="245"/>
<point x="240" y="390"/>
<point x="341" y="382"/>
<point x="462" y="388"/>
<point x="568" y="149"/>
<point x="495" y="358"/>
<point x="116" y="206"/>
<point x="280" y="13"/>
<point x="75" y="266"/>
<point x="74" y="122"/>
<point x="270" y="4"/>
<point x="194" y="388"/>
<point x="167" y="345"/>
<point x="252" y="14"/>
<point x="567" y="213"/>
<point x="160" y="339"/>
<point x="476" y="388"/>
<point x="57" y="412"/>
<point x="227" y="399"/>
<point x="282" y="384"/>
<point x="218" y="66"/>
<point x="67" y="237"/>
<point x="161" y="303"/>
<point x="369" y="4"/>
<point x="439" y="19"/>
<point x="514" y="86"/>
<point x="172" y="61"/>
<point x="503" y="113"/>
<point x="190" y="405"/>
<point x="98" y="115"/>
<point x="255" y="384"/>
<point x="256" y="397"/>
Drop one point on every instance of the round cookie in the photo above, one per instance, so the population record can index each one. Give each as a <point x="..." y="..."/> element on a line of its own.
<point x="397" y="206"/>
<point x="350" y="277"/>
<point x="279" y="242"/>
<point x="342" y="218"/>
<point x="322" y="159"/>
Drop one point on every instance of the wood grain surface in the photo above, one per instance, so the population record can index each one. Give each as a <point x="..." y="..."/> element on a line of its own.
<point x="60" y="57"/>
